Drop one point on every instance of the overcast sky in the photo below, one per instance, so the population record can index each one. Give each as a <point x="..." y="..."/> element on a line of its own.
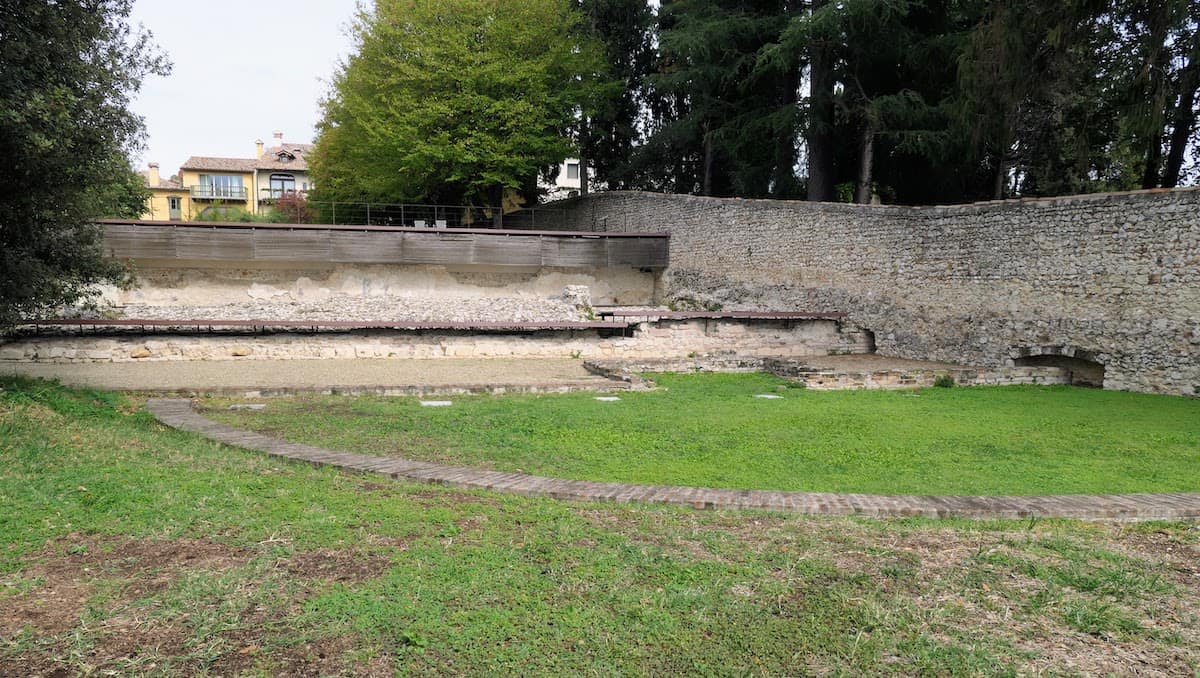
<point x="243" y="69"/>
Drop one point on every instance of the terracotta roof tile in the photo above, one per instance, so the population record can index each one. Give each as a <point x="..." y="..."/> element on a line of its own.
<point x="199" y="162"/>
<point x="271" y="157"/>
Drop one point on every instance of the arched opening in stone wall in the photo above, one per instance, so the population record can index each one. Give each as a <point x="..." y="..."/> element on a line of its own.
<point x="1085" y="370"/>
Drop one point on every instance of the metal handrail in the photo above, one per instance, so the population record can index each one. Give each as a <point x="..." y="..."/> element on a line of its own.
<point x="219" y="192"/>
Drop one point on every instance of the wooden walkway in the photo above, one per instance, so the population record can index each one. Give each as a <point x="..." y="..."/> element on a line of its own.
<point x="180" y="414"/>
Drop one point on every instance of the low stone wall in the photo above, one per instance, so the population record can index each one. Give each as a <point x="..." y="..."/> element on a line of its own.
<point x="830" y="379"/>
<point x="1115" y="277"/>
<point x="892" y="379"/>
<point x="665" y="338"/>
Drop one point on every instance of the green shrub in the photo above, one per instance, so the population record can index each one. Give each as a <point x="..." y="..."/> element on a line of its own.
<point x="944" y="381"/>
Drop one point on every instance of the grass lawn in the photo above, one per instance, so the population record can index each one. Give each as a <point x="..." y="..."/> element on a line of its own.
<point x="709" y="430"/>
<point x="129" y="548"/>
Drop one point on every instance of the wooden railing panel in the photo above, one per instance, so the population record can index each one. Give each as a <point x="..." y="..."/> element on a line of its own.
<point x="348" y="247"/>
<point x="213" y="243"/>
<point x="574" y="252"/>
<point x="132" y="242"/>
<point x="291" y="245"/>
<point x="507" y="250"/>
<point x="381" y="245"/>
<point x="432" y="247"/>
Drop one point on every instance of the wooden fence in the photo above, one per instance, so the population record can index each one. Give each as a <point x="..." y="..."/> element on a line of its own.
<point x="128" y="239"/>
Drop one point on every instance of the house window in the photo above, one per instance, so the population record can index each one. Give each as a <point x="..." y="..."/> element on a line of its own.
<point x="572" y="170"/>
<point x="282" y="184"/>
<point x="221" y="186"/>
<point x="173" y="202"/>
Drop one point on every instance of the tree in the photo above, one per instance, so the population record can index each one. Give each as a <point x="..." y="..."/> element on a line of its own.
<point x="609" y="133"/>
<point x="729" y="124"/>
<point x="917" y="101"/>
<point x="453" y="100"/>
<point x="67" y="72"/>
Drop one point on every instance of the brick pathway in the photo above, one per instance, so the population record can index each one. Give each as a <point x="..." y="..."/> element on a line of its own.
<point x="180" y="414"/>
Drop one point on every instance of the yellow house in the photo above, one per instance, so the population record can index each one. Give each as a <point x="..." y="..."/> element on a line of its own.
<point x="169" y="200"/>
<point x="218" y="188"/>
<point x="215" y="189"/>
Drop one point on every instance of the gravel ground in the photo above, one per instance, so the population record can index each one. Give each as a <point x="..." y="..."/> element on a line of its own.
<point x="422" y="309"/>
<point x="204" y="375"/>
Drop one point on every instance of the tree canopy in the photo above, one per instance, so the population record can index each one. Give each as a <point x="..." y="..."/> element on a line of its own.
<point x="455" y="100"/>
<point x="915" y="101"/>
<point x="908" y="101"/>
<point x="67" y="72"/>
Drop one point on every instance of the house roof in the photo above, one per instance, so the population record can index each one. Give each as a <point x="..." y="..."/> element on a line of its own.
<point x="162" y="183"/>
<point x="200" y="162"/>
<point x="274" y="157"/>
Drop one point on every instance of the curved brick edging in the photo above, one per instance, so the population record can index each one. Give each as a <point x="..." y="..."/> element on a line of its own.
<point x="180" y="414"/>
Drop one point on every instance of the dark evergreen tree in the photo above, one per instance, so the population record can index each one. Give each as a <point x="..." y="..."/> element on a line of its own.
<point x="718" y="113"/>
<point x="67" y="73"/>
<point x="612" y="125"/>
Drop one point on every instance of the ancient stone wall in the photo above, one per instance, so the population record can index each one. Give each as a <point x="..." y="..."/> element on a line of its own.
<point x="1113" y="278"/>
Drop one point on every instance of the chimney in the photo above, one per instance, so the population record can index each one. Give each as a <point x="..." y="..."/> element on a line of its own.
<point x="278" y="138"/>
<point x="152" y="178"/>
<point x="258" y="148"/>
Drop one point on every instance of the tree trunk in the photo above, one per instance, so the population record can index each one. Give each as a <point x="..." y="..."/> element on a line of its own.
<point x="1000" y="178"/>
<point x="866" y="164"/>
<point x="1184" y="120"/>
<point x="783" y="181"/>
<point x="820" y="120"/>
<point x="706" y="186"/>
<point x="496" y="197"/>
<point x="1153" y="160"/>
<point x="583" y="159"/>
<point x="1156" y="94"/>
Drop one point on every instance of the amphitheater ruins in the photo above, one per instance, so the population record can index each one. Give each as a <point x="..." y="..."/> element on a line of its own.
<point x="1096" y="289"/>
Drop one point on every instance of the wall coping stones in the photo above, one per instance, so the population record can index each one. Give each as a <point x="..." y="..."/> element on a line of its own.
<point x="181" y="414"/>
<point x="775" y="203"/>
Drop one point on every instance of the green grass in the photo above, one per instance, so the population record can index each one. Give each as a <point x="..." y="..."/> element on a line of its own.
<point x="129" y="548"/>
<point x="708" y="430"/>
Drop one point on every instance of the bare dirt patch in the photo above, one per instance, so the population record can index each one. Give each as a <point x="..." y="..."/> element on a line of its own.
<point x="992" y="582"/>
<point x="336" y="565"/>
<point x="1177" y="549"/>
<point x="62" y="576"/>
<point x="320" y="657"/>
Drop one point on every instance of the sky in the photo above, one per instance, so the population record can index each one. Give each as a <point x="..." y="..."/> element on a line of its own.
<point x="242" y="70"/>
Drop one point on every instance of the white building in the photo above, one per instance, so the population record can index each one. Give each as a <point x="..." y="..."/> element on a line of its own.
<point x="568" y="183"/>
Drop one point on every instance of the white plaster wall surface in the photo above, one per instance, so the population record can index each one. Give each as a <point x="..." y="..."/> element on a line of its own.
<point x="1117" y="275"/>
<point x="201" y="286"/>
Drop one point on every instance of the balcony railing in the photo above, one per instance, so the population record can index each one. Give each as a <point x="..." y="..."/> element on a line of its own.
<point x="277" y="193"/>
<point x="218" y="192"/>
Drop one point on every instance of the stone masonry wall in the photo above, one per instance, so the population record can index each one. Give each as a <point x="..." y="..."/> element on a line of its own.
<point x="1113" y="277"/>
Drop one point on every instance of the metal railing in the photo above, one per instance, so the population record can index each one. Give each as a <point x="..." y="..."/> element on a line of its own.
<point x="218" y="192"/>
<point x="277" y="193"/>
<point x="411" y="215"/>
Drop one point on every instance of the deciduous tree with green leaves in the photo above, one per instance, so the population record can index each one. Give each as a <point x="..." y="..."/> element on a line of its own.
<point x="454" y="100"/>
<point x="67" y="72"/>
